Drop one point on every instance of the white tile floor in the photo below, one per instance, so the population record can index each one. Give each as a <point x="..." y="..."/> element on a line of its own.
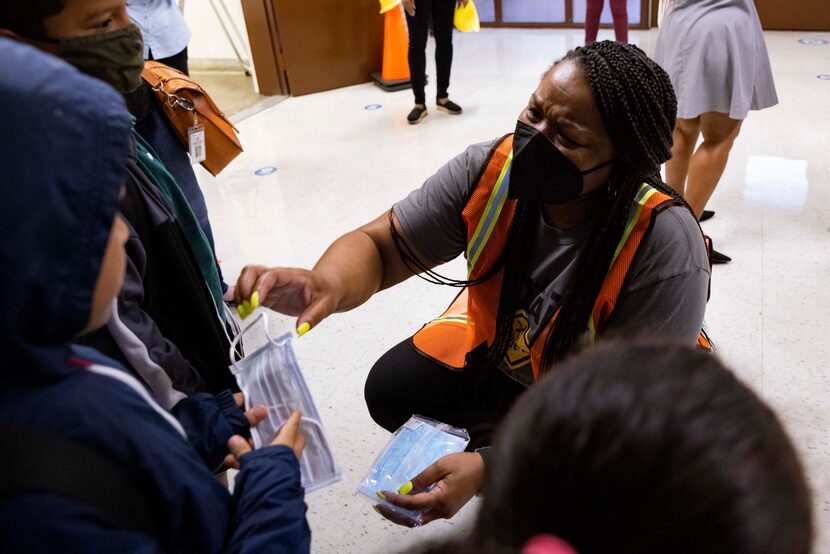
<point x="339" y="165"/>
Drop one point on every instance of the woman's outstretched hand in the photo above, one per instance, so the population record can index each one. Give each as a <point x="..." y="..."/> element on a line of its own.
<point x="291" y="291"/>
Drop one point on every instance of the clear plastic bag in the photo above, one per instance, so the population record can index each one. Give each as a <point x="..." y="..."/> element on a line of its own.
<point x="415" y="446"/>
<point x="272" y="377"/>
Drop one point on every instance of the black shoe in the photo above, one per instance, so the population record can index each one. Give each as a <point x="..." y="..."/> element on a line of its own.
<point x="718" y="258"/>
<point x="707" y="214"/>
<point x="416" y="115"/>
<point x="449" y="106"/>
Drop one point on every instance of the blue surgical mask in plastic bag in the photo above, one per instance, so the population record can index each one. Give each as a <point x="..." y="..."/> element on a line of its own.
<point x="419" y="443"/>
<point x="271" y="377"/>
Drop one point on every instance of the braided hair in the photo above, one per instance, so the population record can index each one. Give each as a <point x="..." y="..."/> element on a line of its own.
<point x="638" y="107"/>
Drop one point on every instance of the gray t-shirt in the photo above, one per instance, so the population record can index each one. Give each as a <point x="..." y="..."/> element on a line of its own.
<point x="664" y="297"/>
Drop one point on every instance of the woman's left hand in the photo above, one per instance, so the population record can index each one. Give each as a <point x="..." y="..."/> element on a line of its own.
<point x="457" y="478"/>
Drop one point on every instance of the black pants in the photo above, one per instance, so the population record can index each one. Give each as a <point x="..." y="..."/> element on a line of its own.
<point x="441" y="12"/>
<point x="176" y="61"/>
<point x="403" y="382"/>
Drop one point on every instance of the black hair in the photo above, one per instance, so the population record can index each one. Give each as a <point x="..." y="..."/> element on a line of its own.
<point x="638" y="107"/>
<point x="638" y="448"/>
<point x="25" y="18"/>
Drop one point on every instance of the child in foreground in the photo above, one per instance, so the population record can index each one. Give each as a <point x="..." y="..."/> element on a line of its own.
<point x="646" y="449"/>
<point x="94" y="464"/>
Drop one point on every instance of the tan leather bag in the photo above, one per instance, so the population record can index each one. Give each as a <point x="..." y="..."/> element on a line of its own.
<point x="181" y="97"/>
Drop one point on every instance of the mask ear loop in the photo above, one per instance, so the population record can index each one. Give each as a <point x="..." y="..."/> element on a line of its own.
<point x="263" y="316"/>
<point x="236" y="330"/>
<point x="598" y="167"/>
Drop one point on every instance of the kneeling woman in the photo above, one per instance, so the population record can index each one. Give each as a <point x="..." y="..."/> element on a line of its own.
<point x="569" y="236"/>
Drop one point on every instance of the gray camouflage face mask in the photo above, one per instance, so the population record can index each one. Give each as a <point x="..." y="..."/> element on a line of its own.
<point x="116" y="57"/>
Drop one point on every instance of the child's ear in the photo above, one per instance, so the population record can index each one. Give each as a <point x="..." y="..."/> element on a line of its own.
<point x="5" y="33"/>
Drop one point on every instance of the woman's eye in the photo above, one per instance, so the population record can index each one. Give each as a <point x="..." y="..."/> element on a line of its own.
<point x="105" y="24"/>
<point x="568" y="140"/>
<point x="533" y="114"/>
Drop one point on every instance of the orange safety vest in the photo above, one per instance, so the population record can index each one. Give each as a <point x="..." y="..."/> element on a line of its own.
<point x="471" y="318"/>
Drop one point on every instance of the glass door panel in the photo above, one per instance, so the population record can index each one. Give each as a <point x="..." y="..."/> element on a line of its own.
<point x="533" y="11"/>
<point x="632" y="6"/>
<point x="486" y="10"/>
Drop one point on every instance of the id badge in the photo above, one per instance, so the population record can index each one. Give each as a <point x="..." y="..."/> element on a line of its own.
<point x="196" y="143"/>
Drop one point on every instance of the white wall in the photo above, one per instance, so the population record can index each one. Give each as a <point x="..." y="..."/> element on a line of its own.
<point x="209" y="40"/>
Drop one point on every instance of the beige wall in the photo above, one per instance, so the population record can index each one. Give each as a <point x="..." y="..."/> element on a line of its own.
<point x="209" y="41"/>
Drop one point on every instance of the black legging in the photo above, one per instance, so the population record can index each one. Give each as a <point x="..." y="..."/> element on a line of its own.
<point x="441" y="12"/>
<point x="403" y="382"/>
<point x="176" y="61"/>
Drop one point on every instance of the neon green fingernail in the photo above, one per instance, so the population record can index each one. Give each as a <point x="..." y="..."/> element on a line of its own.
<point x="406" y="488"/>
<point x="381" y="496"/>
<point x="375" y="508"/>
<point x="244" y="309"/>
<point x="255" y="299"/>
<point x="303" y="329"/>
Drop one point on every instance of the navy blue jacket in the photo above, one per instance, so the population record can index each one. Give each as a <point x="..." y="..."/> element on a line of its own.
<point x="65" y="145"/>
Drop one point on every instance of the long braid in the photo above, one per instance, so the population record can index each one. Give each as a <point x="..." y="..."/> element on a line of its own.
<point x="638" y="108"/>
<point x="518" y="247"/>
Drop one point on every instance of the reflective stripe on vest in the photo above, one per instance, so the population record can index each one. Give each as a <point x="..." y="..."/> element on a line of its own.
<point x="645" y="194"/>
<point x="491" y="214"/>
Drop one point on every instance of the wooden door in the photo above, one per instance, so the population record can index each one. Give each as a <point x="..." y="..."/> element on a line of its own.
<point x="266" y="52"/>
<point x="305" y="46"/>
<point x="331" y="44"/>
<point x="796" y="15"/>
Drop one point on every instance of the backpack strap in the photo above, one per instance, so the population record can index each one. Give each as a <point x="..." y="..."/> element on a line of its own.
<point x="34" y="461"/>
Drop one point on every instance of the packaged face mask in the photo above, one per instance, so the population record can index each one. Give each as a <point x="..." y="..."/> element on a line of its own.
<point x="271" y="377"/>
<point x="415" y="446"/>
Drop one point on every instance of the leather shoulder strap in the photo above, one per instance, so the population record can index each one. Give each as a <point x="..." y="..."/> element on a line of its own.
<point x="149" y="74"/>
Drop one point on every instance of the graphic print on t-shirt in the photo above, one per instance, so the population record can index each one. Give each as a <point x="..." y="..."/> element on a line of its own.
<point x="527" y="325"/>
<point x="553" y="260"/>
<point x="518" y="351"/>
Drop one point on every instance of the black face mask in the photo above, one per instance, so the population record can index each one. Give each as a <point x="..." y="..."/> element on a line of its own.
<point x="541" y="172"/>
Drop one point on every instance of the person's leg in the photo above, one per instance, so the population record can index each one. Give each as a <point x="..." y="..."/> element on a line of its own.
<point x="176" y="61"/>
<point x="709" y="160"/>
<point x="403" y="382"/>
<point x="418" y="26"/>
<point x="593" y="9"/>
<point x="442" y="21"/>
<point x="620" y="14"/>
<point x="684" y="139"/>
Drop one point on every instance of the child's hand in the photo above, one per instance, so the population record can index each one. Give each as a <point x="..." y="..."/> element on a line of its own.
<point x="290" y="435"/>
<point x="238" y="447"/>
<point x="255" y="415"/>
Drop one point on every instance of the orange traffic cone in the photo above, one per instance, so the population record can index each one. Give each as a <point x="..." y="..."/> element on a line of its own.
<point x="395" y="74"/>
